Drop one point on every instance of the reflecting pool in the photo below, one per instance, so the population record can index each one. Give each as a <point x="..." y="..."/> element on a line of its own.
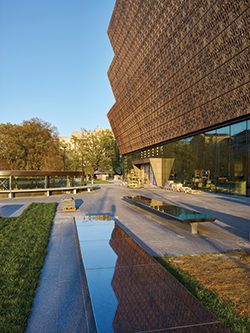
<point x="180" y="213"/>
<point x="129" y="290"/>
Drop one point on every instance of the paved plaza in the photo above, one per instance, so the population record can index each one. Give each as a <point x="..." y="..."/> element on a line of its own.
<point x="62" y="303"/>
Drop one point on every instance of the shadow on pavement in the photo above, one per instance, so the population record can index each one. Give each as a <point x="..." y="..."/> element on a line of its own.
<point x="78" y="203"/>
<point x="8" y="210"/>
<point x="236" y="225"/>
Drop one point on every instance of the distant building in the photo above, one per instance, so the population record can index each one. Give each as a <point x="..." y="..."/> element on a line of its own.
<point x="180" y="77"/>
<point x="78" y="134"/>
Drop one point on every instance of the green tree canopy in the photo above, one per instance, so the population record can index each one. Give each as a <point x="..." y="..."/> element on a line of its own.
<point x="95" y="150"/>
<point x="33" y="145"/>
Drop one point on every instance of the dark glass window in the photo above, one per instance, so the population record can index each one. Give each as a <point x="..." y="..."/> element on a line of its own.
<point x="223" y="155"/>
<point x="189" y="165"/>
<point x="210" y="170"/>
<point x="217" y="160"/>
<point x="170" y="162"/>
<point x="238" y="158"/>
<point x="199" y="160"/>
<point x="248" y="158"/>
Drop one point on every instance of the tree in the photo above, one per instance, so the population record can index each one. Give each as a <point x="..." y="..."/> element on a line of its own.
<point x="33" y="145"/>
<point x="95" y="150"/>
<point x="117" y="161"/>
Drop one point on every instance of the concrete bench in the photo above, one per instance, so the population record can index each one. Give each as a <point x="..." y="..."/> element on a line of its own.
<point x="68" y="204"/>
<point x="47" y="191"/>
<point x="189" y="218"/>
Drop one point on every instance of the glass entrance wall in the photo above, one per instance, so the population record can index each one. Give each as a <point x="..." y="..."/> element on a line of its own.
<point x="238" y="158"/>
<point x="169" y="162"/>
<point x="210" y="160"/>
<point x="248" y="158"/>
<point x="223" y="154"/>
<point x="178" y="161"/>
<point x="217" y="160"/>
<point x="145" y="173"/>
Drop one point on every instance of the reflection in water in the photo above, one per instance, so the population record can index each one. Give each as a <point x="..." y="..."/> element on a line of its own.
<point x="183" y="214"/>
<point x="92" y="219"/>
<point x="132" y="293"/>
<point x="136" y="285"/>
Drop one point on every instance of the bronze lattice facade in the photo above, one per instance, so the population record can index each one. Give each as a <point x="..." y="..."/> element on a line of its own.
<point x="180" y="67"/>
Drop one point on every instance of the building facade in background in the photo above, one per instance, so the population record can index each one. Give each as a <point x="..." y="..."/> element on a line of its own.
<point x="180" y="76"/>
<point x="78" y="135"/>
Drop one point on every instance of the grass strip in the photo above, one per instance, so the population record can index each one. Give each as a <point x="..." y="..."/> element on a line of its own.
<point x="213" y="303"/>
<point x="23" y="247"/>
<point x="98" y="181"/>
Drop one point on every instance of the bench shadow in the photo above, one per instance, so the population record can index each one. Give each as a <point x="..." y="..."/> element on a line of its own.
<point x="101" y="201"/>
<point x="78" y="203"/>
<point x="231" y="226"/>
<point x="7" y="210"/>
<point x="96" y="187"/>
<point x="237" y="200"/>
<point x="238" y="226"/>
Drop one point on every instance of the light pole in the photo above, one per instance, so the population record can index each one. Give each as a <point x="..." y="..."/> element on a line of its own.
<point x="64" y="147"/>
<point x="82" y="169"/>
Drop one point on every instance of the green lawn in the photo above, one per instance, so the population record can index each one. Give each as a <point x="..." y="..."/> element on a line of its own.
<point x="23" y="247"/>
<point x="98" y="181"/>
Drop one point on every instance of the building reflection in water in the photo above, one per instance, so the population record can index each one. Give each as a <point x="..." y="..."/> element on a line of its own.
<point x="180" y="213"/>
<point x="136" y="294"/>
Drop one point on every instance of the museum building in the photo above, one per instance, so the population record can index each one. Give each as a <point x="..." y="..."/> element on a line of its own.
<point x="180" y="77"/>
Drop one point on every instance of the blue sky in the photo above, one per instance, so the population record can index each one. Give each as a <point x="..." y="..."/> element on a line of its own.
<point x="54" y="58"/>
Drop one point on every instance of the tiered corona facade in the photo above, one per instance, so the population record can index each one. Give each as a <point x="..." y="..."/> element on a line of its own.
<point x="180" y="67"/>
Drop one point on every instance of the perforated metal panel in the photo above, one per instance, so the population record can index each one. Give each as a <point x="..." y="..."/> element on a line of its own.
<point x="179" y="67"/>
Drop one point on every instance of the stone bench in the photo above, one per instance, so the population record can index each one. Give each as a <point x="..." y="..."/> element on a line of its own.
<point x="189" y="218"/>
<point x="47" y="191"/>
<point x="68" y="204"/>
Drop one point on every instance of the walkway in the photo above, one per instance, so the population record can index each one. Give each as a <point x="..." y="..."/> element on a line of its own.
<point x="62" y="304"/>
